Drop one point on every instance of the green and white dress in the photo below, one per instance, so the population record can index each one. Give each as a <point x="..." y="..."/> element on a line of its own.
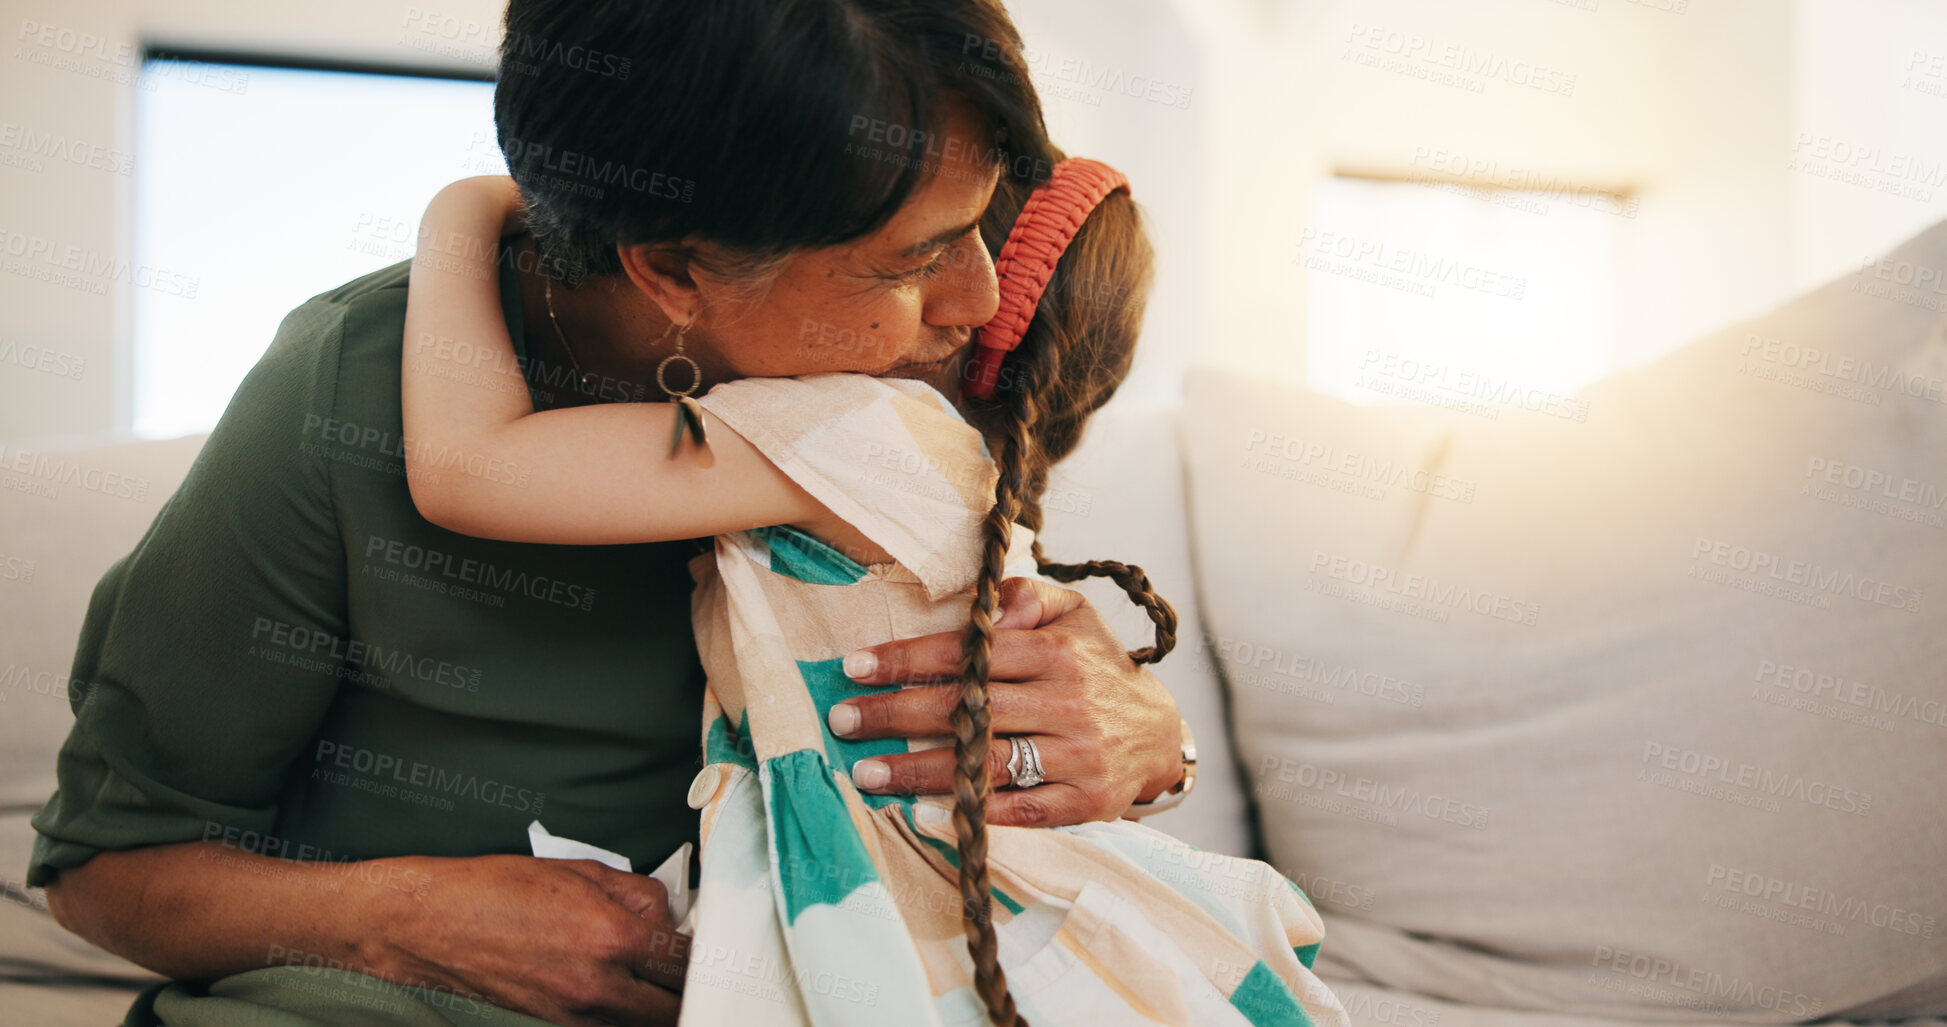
<point x="820" y="904"/>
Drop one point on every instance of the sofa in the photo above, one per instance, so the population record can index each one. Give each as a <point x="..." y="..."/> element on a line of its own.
<point x="1565" y="712"/>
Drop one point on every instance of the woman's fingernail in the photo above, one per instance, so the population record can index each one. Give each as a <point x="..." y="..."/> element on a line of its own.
<point x="844" y="719"/>
<point x="860" y="664"/>
<point x="871" y="773"/>
<point x="932" y="814"/>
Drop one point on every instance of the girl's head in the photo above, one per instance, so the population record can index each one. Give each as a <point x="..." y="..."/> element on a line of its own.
<point x="1081" y="343"/>
<point x="785" y="176"/>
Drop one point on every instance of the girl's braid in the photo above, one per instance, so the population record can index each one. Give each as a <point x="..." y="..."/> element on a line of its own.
<point x="1135" y="583"/>
<point x="1129" y="576"/>
<point x="972" y="724"/>
<point x="1034" y="420"/>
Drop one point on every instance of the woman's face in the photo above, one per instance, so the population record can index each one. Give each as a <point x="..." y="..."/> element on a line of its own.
<point x="901" y="302"/>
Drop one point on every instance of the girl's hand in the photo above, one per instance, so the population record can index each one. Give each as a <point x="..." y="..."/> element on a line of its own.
<point x="1107" y="730"/>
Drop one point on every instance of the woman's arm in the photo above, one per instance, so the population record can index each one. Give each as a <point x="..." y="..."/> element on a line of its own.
<point x="482" y="462"/>
<point x="570" y="941"/>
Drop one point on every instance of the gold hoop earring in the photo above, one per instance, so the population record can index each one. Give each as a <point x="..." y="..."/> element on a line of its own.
<point x="689" y="413"/>
<point x="662" y="369"/>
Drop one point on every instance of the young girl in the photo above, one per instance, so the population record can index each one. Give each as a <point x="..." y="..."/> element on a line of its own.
<point x="820" y="903"/>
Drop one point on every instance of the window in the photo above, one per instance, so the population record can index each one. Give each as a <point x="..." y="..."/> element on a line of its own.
<point x="1462" y="297"/>
<point x="260" y="186"/>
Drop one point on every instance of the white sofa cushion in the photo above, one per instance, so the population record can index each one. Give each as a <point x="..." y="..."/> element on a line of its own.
<point x="67" y="511"/>
<point x="1371" y="1005"/>
<point x="1642" y="715"/>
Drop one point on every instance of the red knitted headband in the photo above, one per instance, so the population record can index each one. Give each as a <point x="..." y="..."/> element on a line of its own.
<point x="1041" y="234"/>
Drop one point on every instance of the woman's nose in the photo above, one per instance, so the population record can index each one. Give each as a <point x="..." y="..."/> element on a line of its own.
<point x="968" y="293"/>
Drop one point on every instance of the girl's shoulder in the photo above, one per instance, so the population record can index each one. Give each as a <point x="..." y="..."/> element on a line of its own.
<point x="890" y="457"/>
<point x="884" y="424"/>
<point x="820" y="399"/>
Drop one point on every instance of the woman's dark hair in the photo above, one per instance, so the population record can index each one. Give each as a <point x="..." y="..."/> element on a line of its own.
<point x="762" y="126"/>
<point x="1074" y="355"/>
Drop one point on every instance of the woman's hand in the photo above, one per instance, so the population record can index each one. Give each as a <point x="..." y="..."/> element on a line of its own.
<point x="1107" y="730"/>
<point x="568" y="940"/>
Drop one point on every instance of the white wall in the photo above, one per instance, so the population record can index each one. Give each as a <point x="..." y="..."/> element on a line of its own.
<point x="1696" y="106"/>
<point x="1616" y="112"/>
<point x="1869" y="133"/>
<point x="1701" y="111"/>
<point x="1119" y="83"/>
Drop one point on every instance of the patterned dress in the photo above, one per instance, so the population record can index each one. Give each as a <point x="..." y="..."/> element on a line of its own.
<point x="820" y="904"/>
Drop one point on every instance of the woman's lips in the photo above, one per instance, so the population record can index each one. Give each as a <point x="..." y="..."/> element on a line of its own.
<point x="926" y="368"/>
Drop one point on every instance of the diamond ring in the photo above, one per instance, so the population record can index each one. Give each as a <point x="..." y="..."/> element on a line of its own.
<point x="1024" y="763"/>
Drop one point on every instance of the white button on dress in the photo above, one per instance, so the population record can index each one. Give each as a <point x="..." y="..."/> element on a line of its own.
<point x="704" y="786"/>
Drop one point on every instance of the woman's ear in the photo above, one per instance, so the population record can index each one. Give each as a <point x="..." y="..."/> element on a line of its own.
<point x="663" y="273"/>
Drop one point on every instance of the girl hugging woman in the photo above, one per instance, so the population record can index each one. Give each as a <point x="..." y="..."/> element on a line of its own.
<point x="848" y="510"/>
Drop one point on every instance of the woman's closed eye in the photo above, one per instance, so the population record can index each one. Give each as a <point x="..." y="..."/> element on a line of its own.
<point x="942" y="252"/>
<point x="931" y="269"/>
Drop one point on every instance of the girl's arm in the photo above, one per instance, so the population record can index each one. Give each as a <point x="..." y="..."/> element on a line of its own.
<point x="482" y="462"/>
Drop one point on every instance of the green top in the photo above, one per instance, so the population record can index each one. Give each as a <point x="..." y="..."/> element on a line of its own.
<point x="294" y="661"/>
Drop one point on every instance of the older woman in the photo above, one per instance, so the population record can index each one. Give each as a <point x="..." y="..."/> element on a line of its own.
<point x="318" y="727"/>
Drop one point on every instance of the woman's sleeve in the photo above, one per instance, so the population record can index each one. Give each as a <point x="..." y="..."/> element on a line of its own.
<point x="192" y="699"/>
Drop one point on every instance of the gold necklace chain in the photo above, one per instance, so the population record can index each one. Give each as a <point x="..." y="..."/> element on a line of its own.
<point x="689" y="413"/>
<point x="580" y="375"/>
<point x="662" y="368"/>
